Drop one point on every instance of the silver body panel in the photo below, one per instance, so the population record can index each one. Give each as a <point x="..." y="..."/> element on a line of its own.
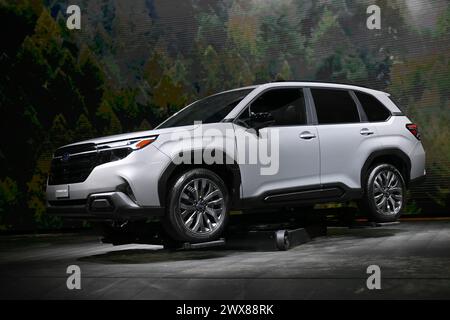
<point x="335" y="155"/>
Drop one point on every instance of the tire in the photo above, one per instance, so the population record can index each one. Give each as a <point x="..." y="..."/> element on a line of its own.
<point x="385" y="194"/>
<point x="197" y="207"/>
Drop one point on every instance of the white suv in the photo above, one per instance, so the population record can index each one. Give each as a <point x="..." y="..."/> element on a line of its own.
<point x="328" y="143"/>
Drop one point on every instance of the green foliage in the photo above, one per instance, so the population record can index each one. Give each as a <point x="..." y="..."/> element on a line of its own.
<point x="83" y="129"/>
<point x="211" y="70"/>
<point x="22" y="16"/>
<point x="443" y="24"/>
<point x="145" y="125"/>
<point x="109" y="124"/>
<point x="242" y="30"/>
<point x="330" y="50"/>
<point x="124" y="104"/>
<point x="155" y="67"/>
<point x="9" y="195"/>
<point x="419" y="85"/>
<point x="279" y="40"/>
<point x="166" y="82"/>
<point x="91" y="81"/>
<point x="285" y="72"/>
<point x="210" y="23"/>
<point x="47" y="91"/>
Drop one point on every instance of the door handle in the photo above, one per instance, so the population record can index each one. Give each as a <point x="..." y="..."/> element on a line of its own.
<point x="366" y="132"/>
<point x="307" y="135"/>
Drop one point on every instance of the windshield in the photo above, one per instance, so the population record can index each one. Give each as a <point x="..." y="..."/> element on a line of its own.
<point x="207" y="110"/>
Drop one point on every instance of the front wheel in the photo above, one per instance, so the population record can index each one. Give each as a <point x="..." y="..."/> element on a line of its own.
<point x="385" y="194"/>
<point x="197" y="207"/>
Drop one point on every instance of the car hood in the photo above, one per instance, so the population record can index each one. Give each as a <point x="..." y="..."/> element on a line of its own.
<point x="133" y="135"/>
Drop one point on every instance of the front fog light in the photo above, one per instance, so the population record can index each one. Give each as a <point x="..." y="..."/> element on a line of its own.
<point x="130" y="193"/>
<point x="126" y="188"/>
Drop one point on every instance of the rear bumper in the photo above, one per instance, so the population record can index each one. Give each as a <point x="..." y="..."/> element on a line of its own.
<point x="103" y="206"/>
<point x="418" y="180"/>
<point x="417" y="157"/>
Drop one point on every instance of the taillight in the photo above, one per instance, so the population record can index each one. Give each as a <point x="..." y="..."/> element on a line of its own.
<point x="414" y="129"/>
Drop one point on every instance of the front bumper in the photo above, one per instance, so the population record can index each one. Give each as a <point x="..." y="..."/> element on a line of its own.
<point x="141" y="170"/>
<point x="115" y="206"/>
<point x="121" y="190"/>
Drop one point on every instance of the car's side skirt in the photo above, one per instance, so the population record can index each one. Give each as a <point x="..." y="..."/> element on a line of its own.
<point x="333" y="192"/>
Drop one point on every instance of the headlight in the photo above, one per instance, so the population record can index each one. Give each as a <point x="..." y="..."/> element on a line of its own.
<point x="117" y="150"/>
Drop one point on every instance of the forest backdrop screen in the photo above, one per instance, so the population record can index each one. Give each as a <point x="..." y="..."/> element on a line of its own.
<point x="133" y="63"/>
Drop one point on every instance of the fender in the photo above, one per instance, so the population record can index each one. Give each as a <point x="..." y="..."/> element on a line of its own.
<point x="228" y="163"/>
<point x="386" y="153"/>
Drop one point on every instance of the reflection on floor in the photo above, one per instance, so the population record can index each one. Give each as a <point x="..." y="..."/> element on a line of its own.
<point x="414" y="257"/>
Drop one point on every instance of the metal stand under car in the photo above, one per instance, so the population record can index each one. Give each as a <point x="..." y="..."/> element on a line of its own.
<point x="274" y="231"/>
<point x="281" y="230"/>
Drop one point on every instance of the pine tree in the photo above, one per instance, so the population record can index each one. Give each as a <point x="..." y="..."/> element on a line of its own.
<point x="123" y="103"/>
<point x="9" y="196"/>
<point x="109" y="124"/>
<point x="285" y="72"/>
<point x="331" y="53"/>
<point x="210" y="71"/>
<point x="83" y="129"/>
<point x="154" y="68"/>
<point x="91" y="83"/>
<point x="167" y="95"/>
<point x="59" y="133"/>
<point x="145" y="125"/>
<point x="279" y="39"/>
<point x="165" y="81"/>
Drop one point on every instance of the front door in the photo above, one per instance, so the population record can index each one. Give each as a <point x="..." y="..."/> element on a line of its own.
<point x="287" y="149"/>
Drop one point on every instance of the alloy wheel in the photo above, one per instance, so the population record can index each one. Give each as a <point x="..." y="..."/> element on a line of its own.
<point x="201" y="206"/>
<point x="388" y="192"/>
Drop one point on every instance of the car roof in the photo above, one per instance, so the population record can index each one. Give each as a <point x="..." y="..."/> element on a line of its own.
<point x="317" y="84"/>
<point x="320" y="84"/>
<point x="382" y="96"/>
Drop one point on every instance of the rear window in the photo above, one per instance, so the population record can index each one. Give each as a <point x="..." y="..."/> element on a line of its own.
<point x="334" y="106"/>
<point x="374" y="109"/>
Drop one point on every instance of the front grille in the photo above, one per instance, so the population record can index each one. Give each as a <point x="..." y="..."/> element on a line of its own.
<point x="74" y="164"/>
<point x="75" y="149"/>
<point x="76" y="169"/>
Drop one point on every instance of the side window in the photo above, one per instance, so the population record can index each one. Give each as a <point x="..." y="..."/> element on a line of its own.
<point x="287" y="106"/>
<point x="373" y="108"/>
<point x="334" y="106"/>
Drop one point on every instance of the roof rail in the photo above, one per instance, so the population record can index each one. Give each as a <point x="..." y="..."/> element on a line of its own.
<point x="319" y="81"/>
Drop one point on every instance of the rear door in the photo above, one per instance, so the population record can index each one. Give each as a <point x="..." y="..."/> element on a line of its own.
<point x="346" y="138"/>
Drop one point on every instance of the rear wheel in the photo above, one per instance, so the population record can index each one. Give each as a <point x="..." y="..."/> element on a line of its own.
<point x="385" y="194"/>
<point x="197" y="207"/>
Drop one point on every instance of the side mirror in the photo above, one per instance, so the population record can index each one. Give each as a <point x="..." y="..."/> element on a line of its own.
<point x="260" y="120"/>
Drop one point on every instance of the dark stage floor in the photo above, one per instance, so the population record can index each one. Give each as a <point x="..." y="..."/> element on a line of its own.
<point x="414" y="257"/>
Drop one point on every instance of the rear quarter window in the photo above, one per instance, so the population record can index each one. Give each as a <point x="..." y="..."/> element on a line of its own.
<point x="374" y="109"/>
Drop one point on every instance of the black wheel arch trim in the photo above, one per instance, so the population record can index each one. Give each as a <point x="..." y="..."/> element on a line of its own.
<point x="386" y="153"/>
<point x="227" y="162"/>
